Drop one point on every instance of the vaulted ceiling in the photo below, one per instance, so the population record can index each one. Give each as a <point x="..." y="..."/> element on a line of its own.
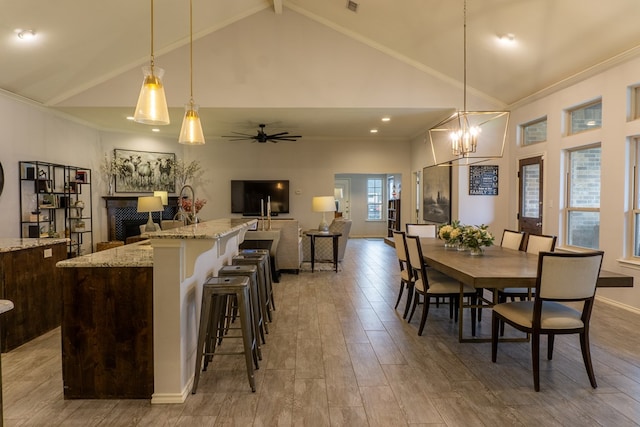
<point x="83" y="45"/>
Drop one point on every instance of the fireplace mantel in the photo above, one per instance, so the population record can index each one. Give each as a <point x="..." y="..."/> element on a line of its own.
<point x="124" y="208"/>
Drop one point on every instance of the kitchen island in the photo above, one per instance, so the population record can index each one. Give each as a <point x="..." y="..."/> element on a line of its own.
<point x="157" y="286"/>
<point x="29" y="279"/>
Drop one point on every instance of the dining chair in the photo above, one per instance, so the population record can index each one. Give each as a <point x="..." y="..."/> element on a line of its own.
<point x="512" y="239"/>
<point x="534" y="244"/>
<point x="434" y="284"/>
<point x="422" y="230"/>
<point x="406" y="272"/>
<point x="561" y="277"/>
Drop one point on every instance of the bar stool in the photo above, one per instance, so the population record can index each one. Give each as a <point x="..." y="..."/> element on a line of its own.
<point x="269" y="270"/>
<point x="216" y="294"/>
<point x="259" y="261"/>
<point x="250" y="271"/>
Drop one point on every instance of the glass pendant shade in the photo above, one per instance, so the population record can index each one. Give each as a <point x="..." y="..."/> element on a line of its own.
<point x="191" y="131"/>
<point x="152" y="103"/>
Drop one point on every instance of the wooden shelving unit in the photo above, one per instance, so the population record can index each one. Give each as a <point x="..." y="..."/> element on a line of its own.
<point x="393" y="217"/>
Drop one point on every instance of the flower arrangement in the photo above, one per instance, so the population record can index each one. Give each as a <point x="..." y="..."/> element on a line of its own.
<point x="476" y="237"/>
<point x="451" y="233"/>
<point x="187" y="203"/>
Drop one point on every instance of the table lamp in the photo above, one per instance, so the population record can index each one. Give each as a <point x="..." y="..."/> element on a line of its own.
<point x="323" y="204"/>
<point x="163" y="195"/>
<point x="150" y="204"/>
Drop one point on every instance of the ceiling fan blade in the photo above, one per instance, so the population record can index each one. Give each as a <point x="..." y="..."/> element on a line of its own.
<point x="283" y="139"/>
<point x="277" y="134"/>
<point x="288" y="136"/>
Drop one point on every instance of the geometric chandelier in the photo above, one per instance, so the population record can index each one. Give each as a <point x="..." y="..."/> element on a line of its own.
<point x="461" y="132"/>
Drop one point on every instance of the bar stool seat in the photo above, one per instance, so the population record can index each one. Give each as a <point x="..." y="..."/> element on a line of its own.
<point x="270" y="270"/>
<point x="250" y="271"/>
<point x="217" y="293"/>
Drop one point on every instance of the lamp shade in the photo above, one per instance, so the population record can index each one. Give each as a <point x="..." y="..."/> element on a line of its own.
<point x="164" y="196"/>
<point x="150" y="204"/>
<point x="324" y="204"/>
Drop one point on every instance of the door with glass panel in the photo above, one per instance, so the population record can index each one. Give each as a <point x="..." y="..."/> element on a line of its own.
<point x="530" y="195"/>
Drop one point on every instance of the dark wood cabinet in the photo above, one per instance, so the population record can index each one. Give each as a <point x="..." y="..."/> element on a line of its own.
<point x="30" y="279"/>
<point x="107" y="332"/>
<point x="393" y="217"/>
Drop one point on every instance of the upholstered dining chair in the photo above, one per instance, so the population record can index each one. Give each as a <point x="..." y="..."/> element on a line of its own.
<point x="434" y="284"/>
<point x="407" y="277"/>
<point x="534" y="244"/>
<point x="422" y="230"/>
<point x="512" y="239"/>
<point x="561" y="277"/>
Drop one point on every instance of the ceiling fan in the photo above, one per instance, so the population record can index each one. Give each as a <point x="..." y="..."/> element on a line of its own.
<point x="262" y="136"/>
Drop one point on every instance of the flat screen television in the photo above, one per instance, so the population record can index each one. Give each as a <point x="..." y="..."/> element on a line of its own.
<point x="247" y="195"/>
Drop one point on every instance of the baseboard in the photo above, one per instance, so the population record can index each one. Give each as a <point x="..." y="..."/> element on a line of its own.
<point x="618" y="304"/>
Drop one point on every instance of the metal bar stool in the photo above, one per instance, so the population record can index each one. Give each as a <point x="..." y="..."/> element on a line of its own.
<point x="250" y="271"/>
<point x="269" y="270"/>
<point x="217" y="292"/>
<point x="259" y="261"/>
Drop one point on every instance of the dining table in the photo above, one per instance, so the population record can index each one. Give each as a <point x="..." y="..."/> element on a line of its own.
<point x="497" y="268"/>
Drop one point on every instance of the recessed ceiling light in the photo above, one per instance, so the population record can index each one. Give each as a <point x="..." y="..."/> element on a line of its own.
<point x="25" y="34"/>
<point x="155" y="130"/>
<point x="374" y="131"/>
<point x="386" y="119"/>
<point x="130" y="118"/>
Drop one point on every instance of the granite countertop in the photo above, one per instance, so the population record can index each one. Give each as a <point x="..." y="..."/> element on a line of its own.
<point x="139" y="254"/>
<point x="213" y="229"/>
<point x="17" y="244"/>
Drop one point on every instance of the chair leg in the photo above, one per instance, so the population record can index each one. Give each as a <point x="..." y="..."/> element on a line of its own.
<point x="551" y="340"/>
<point x="410" y="295"/>
<point x="399" y="294"/>
<point x="495" y="326"/>
<point x="535" y="359"/>
<point x="586" y="356"/>
<point x="474" y="301"/>
<point x="425" y="313"/>
<point x="416" y="300"/>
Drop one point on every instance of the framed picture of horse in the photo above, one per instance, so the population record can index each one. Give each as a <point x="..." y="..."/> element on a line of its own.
<point x="144" y="171"/>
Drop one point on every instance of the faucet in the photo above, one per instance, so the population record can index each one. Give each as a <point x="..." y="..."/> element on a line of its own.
<point x="180" y="215"/>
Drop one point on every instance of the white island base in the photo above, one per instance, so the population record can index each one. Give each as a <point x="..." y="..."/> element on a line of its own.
<point x="183" y="259"/>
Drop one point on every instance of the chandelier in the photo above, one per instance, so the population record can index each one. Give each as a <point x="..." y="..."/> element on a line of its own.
<point x="458" y="135"/>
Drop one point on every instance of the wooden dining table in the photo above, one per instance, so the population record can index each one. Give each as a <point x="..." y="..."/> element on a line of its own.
<point x="497" y="268"/>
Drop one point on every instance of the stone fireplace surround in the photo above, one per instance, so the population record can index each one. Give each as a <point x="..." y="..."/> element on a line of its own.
<point x="124" y="221"/>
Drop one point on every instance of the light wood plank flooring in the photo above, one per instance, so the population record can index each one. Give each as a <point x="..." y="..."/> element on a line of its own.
<point x="339" y="354"/>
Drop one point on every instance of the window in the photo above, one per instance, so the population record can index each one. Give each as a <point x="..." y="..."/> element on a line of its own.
<point x="534" y="132"/>
<point x="583" y="204"/>
<point x="636" y="199"/>
<point x="634" y="92"/>
<point x="586" y="117"/>
<point x="374" y="199"/>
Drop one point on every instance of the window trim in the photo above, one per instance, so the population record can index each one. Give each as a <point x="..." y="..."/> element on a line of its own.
<point x="381" y="204"/>
<point x="523" y="126"/>
<point x="569" y="121"/>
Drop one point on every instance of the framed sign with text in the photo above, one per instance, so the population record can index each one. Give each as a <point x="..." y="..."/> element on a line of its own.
<point x="483" y="180"/>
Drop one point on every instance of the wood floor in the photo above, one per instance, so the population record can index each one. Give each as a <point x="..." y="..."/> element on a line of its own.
<point x="339" y="354"/>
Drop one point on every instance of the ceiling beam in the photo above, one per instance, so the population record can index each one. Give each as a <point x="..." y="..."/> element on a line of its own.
<point x="277" y="7"/>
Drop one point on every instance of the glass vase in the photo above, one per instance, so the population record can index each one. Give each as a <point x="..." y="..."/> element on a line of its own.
<point x="476" y="251"/>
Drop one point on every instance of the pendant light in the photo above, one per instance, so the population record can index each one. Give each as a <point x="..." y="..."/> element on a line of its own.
<point x="152" y="104"/>
<point x="191" y="131"/>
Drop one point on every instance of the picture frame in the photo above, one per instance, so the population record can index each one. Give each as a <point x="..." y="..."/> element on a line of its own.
<point x="81" y="177"/>
<point x="483" y="180"/>
<point x="436" y="194"/>
<point x="144" y="171"/>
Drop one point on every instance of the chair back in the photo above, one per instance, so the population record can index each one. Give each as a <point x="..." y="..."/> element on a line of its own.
<point x="512" y="239"/>
<point x="416" y="261"/>
<point x="537" y="243"/>
<point x="421" y="230"/>
<point x="567" y="276"/>
<point x="400" y="243"/>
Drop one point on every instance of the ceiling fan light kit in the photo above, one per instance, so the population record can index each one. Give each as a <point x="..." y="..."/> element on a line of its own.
<point x="151" y="108"/>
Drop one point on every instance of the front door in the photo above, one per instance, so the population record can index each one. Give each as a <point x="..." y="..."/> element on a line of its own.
<point x="530" y="195"/>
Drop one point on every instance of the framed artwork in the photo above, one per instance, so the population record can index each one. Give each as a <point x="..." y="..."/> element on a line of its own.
<point x="483" y="180"/>
<point x="436" y="194"/>
<point x="81" y="176"/>
<point x="144" y="171"/>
